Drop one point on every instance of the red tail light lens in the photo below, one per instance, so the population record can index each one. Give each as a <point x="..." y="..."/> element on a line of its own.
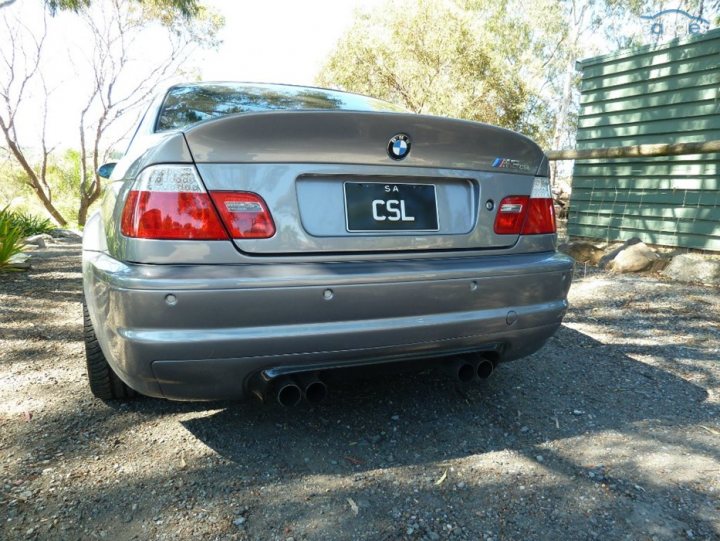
<point x="170" y="203"/>
<point x="245" y="214"/>
<point x="171" y="216"/>
<point x="511" y="215"/>
<point x="540" y="217"/>
<point x="523" y="215"/>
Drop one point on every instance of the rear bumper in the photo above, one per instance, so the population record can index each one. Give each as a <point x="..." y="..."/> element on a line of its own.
<point x="223" y="324"/>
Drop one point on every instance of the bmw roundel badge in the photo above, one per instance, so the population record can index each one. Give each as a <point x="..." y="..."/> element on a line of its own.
<point x="399" y="146"/>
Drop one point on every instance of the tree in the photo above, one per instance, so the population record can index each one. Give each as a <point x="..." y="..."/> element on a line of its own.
<point x="119" y="86"/>
<point x="118" y="83"/>
<point x="507" y="62"/>
<point x="188" y="8"/>
<point x="435" y="57"/>
<point x="20" y="67"/>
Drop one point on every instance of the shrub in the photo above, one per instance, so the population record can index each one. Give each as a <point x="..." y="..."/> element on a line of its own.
<point x="29" y="224"/>
<point x="11" y="237"/>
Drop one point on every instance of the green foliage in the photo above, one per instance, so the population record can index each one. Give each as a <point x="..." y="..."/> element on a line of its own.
<point x="506" y="62"/>
<point x="443" y="58"/>
<point x="187" y="8"/>
<point x="11" y="237"/>
<point x="63" y="177"/>
<point x="28" y="224"/>
<point x="199" y="26"/>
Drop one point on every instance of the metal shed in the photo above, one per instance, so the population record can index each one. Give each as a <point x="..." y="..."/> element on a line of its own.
<point x="653" y="94"/>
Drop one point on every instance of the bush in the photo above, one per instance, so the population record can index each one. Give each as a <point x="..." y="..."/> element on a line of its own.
<point x="27" y="223"/>
<point x="11" y="237"/>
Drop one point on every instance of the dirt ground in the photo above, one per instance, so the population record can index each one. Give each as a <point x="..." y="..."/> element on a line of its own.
<point x="611" y="431"/>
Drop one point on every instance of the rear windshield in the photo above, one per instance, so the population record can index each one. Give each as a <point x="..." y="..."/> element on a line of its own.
<point x="185" y="105"/>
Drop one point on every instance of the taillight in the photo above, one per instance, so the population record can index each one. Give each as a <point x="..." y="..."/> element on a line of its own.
<point x="541" y="210"/>
<point x="523" y="215"/>
<point x="245" y="214"/>
<point x="169" y="202"/>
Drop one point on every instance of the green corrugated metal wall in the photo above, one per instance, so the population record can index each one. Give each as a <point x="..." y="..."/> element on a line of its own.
<point x="661" y="94"/>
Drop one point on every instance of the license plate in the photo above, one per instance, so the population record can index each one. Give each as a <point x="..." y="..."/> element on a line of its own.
<point x="376" y="206"/>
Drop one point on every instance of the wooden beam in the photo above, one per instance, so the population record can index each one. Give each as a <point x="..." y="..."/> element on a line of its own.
<point x="636" y="151"/>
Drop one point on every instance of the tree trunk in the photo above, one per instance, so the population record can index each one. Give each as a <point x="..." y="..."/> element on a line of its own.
<point x="33" y="180"/>
<point x="47" y="203"/>
<point x="562" y="116"/>
<point x="83" y="212"/>
<point x="87" y="199"/>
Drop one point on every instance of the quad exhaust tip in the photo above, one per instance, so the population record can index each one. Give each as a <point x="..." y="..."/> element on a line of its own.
<point x="289" y="391"/>
<point x="468" y="368"/>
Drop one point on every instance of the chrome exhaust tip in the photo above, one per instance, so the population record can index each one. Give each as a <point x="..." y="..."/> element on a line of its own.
<point x="485" y="368"/>
<point x="461" y="370"/>
<point x="288" y="393"/>
<point x="314" y="390"/>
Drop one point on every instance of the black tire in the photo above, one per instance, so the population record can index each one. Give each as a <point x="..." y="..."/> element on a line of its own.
<point x="104" y="383"/>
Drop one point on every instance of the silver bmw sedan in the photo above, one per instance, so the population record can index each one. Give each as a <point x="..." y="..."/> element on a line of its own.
<point x="256" y="238"/>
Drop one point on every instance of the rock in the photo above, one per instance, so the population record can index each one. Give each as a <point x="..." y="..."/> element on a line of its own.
<point x="633" y="258"/>
<point x="607" y="258"/>
<point x="239" y="522"/>
<point x="65" y="234"/>
<point x="19" y="262"/>
<point x="41" y="240"/>
<point x="582" y="251"/>
<point x="694" y="268"/>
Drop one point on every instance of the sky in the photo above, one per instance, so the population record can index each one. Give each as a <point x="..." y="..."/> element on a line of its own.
<point x="278" y="41"/>
<point x="284" y="41"/>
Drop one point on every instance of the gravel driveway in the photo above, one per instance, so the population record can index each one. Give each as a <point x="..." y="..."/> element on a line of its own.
<point x="610" y="432"/>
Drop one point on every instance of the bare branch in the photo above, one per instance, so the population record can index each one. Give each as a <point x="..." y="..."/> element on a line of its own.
<point x="22" y="69"/>
<point x="114" y="33"/>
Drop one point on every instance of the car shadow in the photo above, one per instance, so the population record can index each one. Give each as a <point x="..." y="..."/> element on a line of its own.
<point x="573" y="386"/>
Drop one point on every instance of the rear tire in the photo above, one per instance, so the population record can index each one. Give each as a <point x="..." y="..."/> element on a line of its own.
<point x="104" y="382"/>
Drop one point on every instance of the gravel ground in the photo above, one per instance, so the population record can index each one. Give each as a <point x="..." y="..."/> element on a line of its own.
<point x="611" y="431"/>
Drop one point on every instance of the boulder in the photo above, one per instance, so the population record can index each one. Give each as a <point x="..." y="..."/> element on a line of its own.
<point x="633" y="258"/>
<point x="608" y="257"/>
<point x="694" y="268"/>
<point x="582" y="251"/>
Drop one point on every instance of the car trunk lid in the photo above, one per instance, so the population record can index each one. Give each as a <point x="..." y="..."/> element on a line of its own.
<point x="332" y="183"/>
